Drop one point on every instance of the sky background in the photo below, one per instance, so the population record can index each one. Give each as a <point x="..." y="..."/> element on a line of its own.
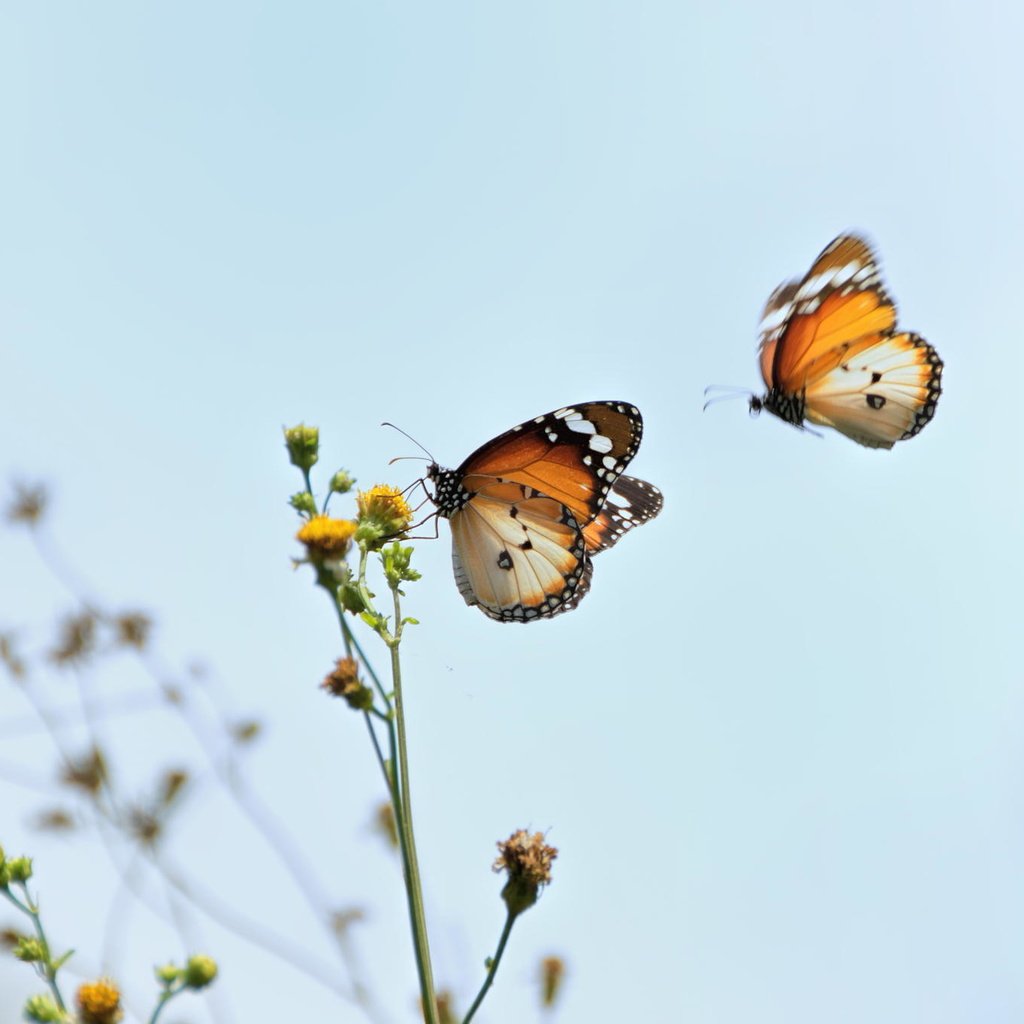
<point x="780" y="746"/>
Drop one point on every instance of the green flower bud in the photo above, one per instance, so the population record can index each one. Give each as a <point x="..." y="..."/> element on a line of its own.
<point x="20" y="869"/>
<point x="303" y="502"/>
<point x="167" y="975"/>
<point x="29" y="950"/>
<point x="303" y="444"/>
<point x="43" y="1009"/>
<point x="200" y="971"/>
<point x="342" y="482"/>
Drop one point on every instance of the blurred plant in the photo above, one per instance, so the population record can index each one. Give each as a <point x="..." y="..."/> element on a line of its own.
<point x="342" y="553"/>
<point x="99" y="1001"/>
<point x="382" y="519"/>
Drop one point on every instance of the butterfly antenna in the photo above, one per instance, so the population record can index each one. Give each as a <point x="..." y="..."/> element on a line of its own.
<point x="414" y="441"/>
<point x="724" y="393"/>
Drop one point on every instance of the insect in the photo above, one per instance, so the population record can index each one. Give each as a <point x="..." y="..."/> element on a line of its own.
<point x="529" y="508"/>
<point x="830" y="353"/>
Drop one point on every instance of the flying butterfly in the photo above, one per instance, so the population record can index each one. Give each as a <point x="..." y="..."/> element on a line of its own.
<point x="830" y="353"/>
<point x="529" y="508"/>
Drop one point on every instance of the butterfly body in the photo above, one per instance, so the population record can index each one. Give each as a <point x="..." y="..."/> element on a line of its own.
<point x="529" y="508"/>
<point x="830" y="353"/>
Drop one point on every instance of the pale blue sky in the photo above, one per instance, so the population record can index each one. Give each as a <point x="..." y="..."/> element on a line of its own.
<point x="781" y="743"/>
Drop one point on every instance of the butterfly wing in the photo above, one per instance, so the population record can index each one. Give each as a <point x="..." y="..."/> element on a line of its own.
<point x="527" y="508"/>
<point x="829" y="353"/>
<point x="631" y="502"/>
<point x="518" y="555"/>
<point x="840" y="301"/>
<point x="880" y="392"/>
<point x="573" y="455"/>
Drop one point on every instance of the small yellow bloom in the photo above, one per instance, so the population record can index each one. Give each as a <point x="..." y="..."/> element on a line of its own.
<point x="385" y="507"/>
<point x="326" y="539"/>
<point x="99" y="1002"/>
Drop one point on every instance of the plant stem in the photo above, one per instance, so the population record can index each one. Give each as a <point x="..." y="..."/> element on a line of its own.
<point x="492" y="967"/>
<point x="46" y="965"/>
<point x="403" y="814"/>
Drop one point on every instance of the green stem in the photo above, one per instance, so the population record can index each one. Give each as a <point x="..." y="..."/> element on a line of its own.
<point x="165" y="998"/>
<point x="403" y="815"/>
<point x="46" y="965"/>
<point x="492" y="967"/>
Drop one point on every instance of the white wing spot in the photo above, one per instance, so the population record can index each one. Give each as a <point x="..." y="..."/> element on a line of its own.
<point x="580" y="425"/>
<point x="600" y="443"/>
<point x="610" y="462"/>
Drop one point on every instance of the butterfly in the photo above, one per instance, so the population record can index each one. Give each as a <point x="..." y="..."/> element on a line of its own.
<point x="529" y="508"/>
<point x="830" y="353"/>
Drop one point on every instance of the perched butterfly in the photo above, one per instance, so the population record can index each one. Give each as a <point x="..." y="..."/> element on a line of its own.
<point x="528" y="509"/>
<point x="831" y="354"/>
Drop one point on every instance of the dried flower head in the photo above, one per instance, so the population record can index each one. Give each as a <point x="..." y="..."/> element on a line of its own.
<point x="171" y="785"/>
<point x="132" y="629"/>
<point x="27" y="504"/>
<point x="552" y="973"/>
<point x="144" y="825"/>
<point x="446" y="1007"/>
<point x="383" y="510"/>
<point x="326" y="539"/>
<point x="9" y="658"/>
<point x="527" y="859"/>
<point x="342" y="920"/>
<point x="99" y="1002"/>
<point x="88" y="772"/>
<point x="344" y="681"/>
<point x="55" y="820"/>
<point x="384" y="823"/>
<point x="76" y="641"/>
<point x="10" y="937"/>
<point x="246" y="731"/>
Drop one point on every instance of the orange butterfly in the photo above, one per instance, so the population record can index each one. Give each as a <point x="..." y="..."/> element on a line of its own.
<point x="529" y="508"/>
<point x="831" y="354"/>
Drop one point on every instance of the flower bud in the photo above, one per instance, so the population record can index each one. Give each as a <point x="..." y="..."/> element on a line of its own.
<point x="303" y="444"/>
<point x="20" y="869"/>
<point x="303" y="502"/>
<point x="200" y="971"/>
<point x="342" y="482"/>
<point x="167" y="975"/>
<point x="44" y="1009"/>
<point x="29" y="950"/>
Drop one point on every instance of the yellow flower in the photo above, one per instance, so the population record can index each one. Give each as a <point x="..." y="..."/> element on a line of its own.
<point x="99" y="1002"/>
<point x="385" y="508"/>
<point x="326" y="539"/>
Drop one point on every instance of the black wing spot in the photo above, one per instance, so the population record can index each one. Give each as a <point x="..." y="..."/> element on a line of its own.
<point x="875" y="377"/>
<point x="875" y="401"/>
<point x="527" y="545"/>
<point x="504" y="560"/>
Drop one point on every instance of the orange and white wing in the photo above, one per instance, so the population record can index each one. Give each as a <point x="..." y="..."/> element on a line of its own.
<point x="573" y="455"/>
<point x="631" y="502"/>
<point x="517" y="554"/>
<point x="878" y="391"/>
<point x="839" y="302"/>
